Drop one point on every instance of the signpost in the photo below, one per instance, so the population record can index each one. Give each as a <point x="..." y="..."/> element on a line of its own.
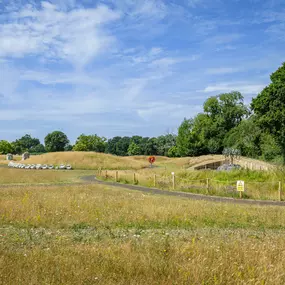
<point x="240" y="187"/>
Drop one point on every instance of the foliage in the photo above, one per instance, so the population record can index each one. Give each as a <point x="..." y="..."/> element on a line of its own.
<point x="164" y="143"/>
<point x="56" y="141"/>
<point x="173" y="152"/>
<point x="269" y="107"/>
<point x="134" y="149"/>
<point x="246" y="137"/>
<point x="206" y="132"/>
<point x="118" y="145"/>
<point x="90" y="143"/>
<point x="6" y="147"/>
<point x="269" y="148"/>
<point x="39" y="148"/>
<point x="25" y="143"/>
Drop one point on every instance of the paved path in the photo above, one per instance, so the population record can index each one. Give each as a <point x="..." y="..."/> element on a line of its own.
<point x="91" y="180"/>
<point x="187" y="195"/>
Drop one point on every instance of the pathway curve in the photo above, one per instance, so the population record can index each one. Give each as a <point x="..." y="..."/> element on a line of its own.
<point x="187" y="195"/>
<point x="91" y="180"/>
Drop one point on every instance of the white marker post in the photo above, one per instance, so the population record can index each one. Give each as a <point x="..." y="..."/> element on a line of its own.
<point x="173" y="180"/>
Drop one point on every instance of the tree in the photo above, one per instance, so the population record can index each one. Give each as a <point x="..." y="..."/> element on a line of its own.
<point x="269" y="147"/>
<point x="150" y="146"/>
<point x="221" y="114"/>
<point x="269" y="107"/>
<point x="6" y="147"/>
<point x="25" y="143"/>
<point x="68" y="147"/>
<point x="173" y="152"/>
<point x="206" y="132"/>
<point x="164" y="143"/>
<point x="38" y="149"/>
<point x="189" y="142"/>
<point x="246" y="137"/>
<point x="56" y="141"/>
<point x="134" y="149"/>
<point x="90" y="143"/>
<point x="118" y="145"/>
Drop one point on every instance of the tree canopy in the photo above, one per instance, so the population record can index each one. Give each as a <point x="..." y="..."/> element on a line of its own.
<point x="269" y="107"/>
<point x="56" y="141"/>
<point x="90" y="143"/>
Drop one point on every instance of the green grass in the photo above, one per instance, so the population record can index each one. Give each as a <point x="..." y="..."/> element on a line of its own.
<point x="260" y="185"/>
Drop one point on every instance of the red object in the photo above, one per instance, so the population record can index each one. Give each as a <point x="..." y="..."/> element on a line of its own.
<point x="151" y="159"/>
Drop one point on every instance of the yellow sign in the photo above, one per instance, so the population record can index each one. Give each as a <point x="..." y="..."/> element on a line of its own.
<point x="240" y="186"/>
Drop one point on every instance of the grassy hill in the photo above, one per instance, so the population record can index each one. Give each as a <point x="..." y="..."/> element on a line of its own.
<point x="88" y="160"/>
<point x="93" y="160"/>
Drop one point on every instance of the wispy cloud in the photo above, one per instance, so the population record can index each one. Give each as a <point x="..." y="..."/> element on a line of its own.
<point x="119" y="67"/>
<point x="243" y="87"/>
<point x="76" y="36"/>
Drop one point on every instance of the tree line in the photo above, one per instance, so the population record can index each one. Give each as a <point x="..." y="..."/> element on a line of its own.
<point x="121" y="146"/>
<point x="257" y="131"/>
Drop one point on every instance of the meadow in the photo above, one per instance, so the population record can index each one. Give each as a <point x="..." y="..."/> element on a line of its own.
<point x="102" y="235"/>
<point x="96" y="234"/>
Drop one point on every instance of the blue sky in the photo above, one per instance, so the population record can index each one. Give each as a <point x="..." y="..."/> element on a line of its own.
<point x="125" y="67"/>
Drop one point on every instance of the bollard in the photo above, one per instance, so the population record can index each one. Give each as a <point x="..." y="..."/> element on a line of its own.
<point x="106" y="174"/>
<point x="208" y="185"/>
<point x="173" y="181"/>
<point x="117" y="176"/>
<point x="134" y="178"/>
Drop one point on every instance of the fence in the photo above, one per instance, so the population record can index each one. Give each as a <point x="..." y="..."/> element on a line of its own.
<point x="253" y="190"/>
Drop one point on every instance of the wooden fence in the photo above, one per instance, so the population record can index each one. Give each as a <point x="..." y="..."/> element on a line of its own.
<point x="253" y="190"/>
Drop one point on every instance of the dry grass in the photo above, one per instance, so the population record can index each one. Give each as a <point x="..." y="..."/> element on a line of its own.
<point x="102" y="235"/>
<point x="32" y="176"/>
<point x="88" y="160"/>
<point x="5" y="162"/>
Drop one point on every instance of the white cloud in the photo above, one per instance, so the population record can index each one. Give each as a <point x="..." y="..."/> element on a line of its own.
<point x="243" y="87"/>
<point x="77" y="36"/>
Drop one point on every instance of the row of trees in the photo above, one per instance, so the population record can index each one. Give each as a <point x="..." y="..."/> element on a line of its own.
<point x="55" y="141"/>
<point x="122" y="146"/>
<point x="257" y="130"/>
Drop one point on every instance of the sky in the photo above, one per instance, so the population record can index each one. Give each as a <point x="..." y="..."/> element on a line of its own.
<point x="127" y="67"/>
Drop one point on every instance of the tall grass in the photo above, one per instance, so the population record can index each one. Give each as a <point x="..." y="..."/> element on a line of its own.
<point x="261" y="185"/>
<point x="102" y="235"/>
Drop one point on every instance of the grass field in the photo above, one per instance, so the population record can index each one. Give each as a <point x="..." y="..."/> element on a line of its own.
<point x="32" y="176"/>
<point x="102" y="235"/>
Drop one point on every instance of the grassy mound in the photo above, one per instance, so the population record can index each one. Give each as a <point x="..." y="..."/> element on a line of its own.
<point x="88" y="160"/>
